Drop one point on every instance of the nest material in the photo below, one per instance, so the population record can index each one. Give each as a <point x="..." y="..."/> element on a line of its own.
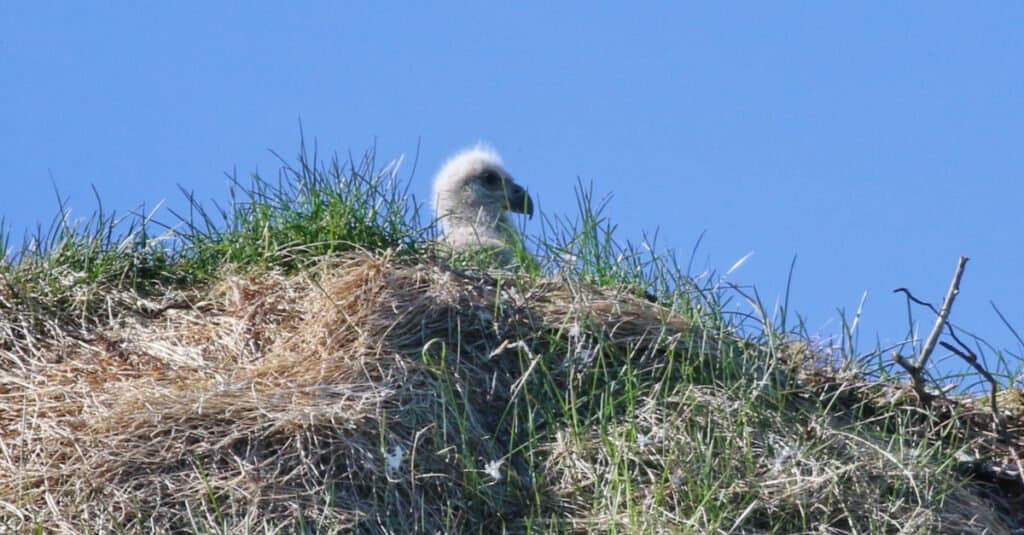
<point x="375" y="394"/>
<point x="272" y="394"/>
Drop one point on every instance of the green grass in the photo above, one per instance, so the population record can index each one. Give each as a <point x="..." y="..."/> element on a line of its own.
<point x="314" y="208"/>
<point x="725" y="431"/>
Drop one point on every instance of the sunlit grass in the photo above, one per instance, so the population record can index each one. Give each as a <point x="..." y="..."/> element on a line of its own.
<point x="660" y="407"/>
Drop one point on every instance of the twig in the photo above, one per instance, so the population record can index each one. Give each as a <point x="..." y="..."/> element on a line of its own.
<point x="914" y="299"/>
<point x="940" y="322"/>
<point x="1014" y="471"/>
<point x="972" y="359"/>
<point x="999" y="471"/>
<point x="150" y="311"/>
<point x="916" y="377"/>
<point x="916" y="370"/>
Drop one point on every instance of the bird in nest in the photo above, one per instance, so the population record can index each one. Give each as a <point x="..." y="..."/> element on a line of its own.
<point x="473" y="194"/>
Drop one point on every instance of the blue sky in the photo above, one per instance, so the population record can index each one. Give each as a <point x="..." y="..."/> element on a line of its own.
<point x="876" y="142"/>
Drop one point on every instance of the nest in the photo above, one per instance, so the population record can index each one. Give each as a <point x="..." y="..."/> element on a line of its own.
<point x="274" y="394"/>
<point x="381" y="395"/>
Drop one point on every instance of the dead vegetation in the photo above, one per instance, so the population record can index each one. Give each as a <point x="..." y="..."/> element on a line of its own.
<point x="300" y="362"/>
<point x="396" y="395"/>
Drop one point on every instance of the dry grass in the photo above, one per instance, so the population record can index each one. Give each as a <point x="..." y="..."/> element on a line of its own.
<point x="268" y="396"/>
<point x="387" y="395"/>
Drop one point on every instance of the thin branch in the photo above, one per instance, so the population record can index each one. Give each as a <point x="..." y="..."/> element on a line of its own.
<point x="952" y="333"/>
<point x="916" y="377"/>
<point x="972" y="359"/>
<point x="916" y="300"/>
<point x="947" y="306"/>
<point x="916" y="369"/>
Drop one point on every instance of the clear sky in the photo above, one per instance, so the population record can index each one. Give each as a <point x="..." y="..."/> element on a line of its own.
<point x="874" y="141"/>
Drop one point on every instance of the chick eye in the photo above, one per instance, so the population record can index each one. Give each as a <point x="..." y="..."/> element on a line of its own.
<point x="490" y="178"/>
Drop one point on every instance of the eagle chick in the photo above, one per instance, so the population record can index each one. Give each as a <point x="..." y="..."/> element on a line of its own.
<point x="472" y="193"/>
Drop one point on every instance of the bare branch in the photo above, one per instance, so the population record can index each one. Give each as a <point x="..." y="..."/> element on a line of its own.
<point x="916" y="300"/>
<point x="916" y="377"/>
<point x="940" y="321"/>
<point x="972" y="359"/>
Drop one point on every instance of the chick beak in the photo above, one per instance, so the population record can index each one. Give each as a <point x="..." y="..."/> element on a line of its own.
<point x="518" y="200"/>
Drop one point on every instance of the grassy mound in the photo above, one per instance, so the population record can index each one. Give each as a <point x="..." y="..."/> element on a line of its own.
<point x="307" y="365"/>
